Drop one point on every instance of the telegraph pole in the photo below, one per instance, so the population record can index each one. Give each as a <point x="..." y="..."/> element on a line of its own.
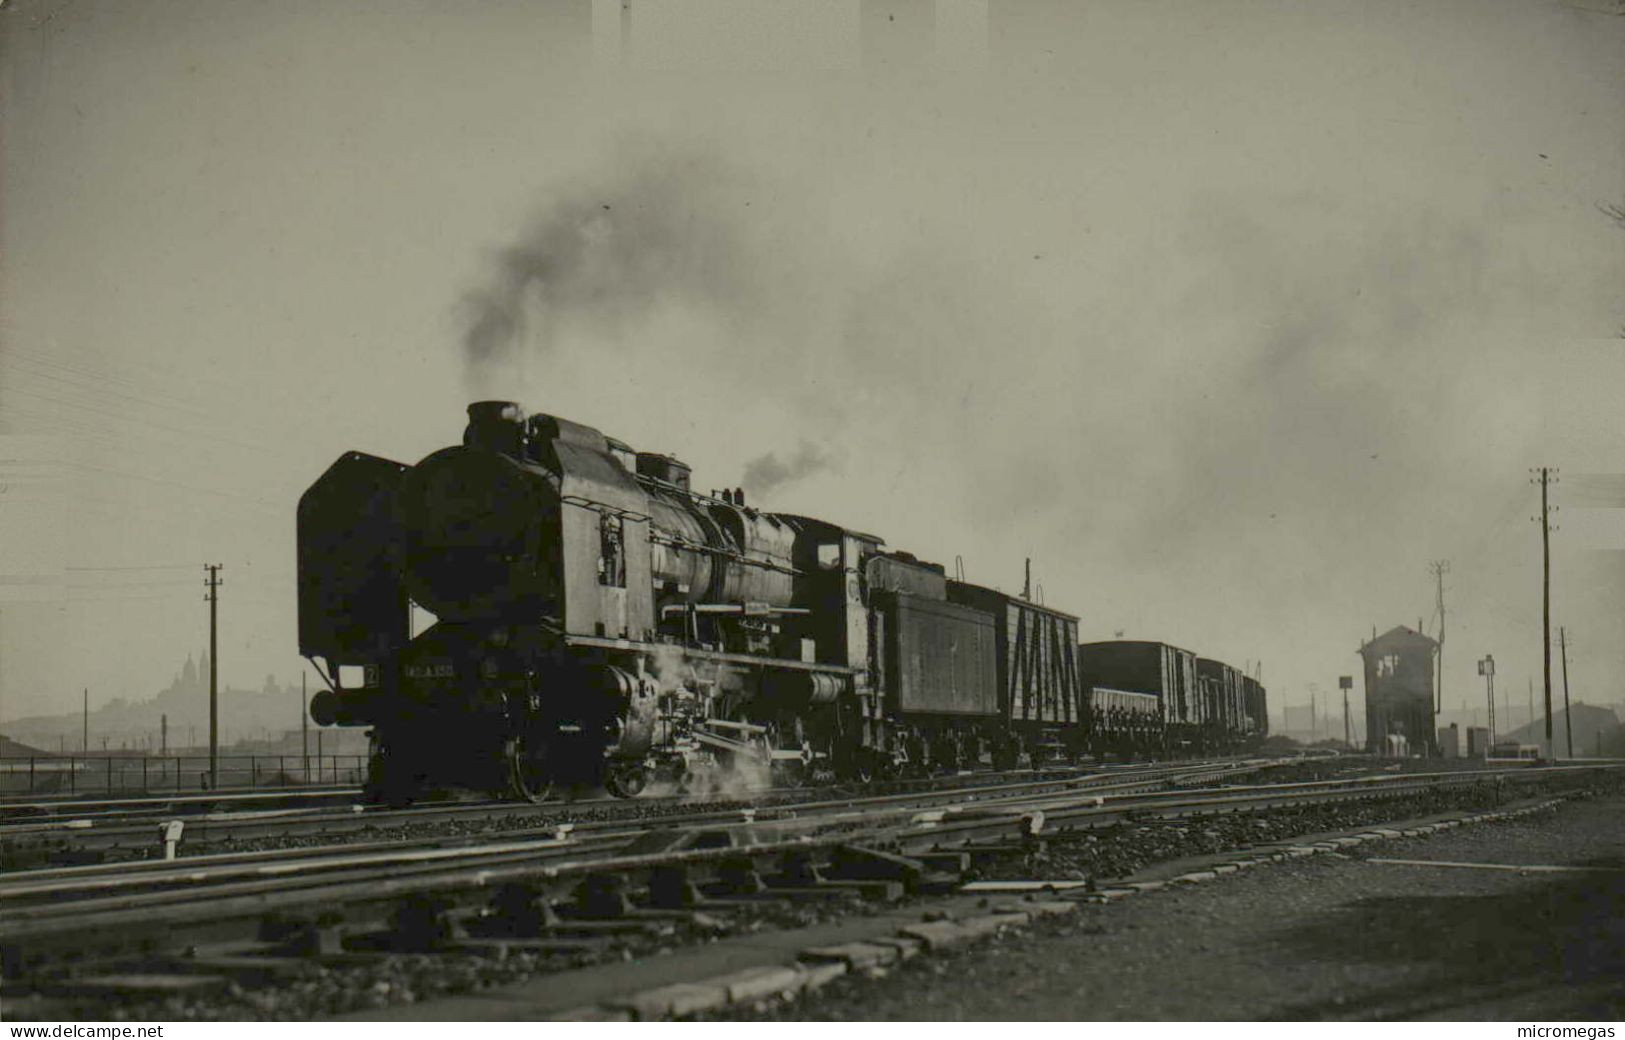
<point x="84" y="738"/>
<point x="1486" y="668"/>
<point x="1345" y="683"/>
<point x="1568" y="722"/>
<point x="213" y="584"/>
<point x="1440" y="568"/>
<point x="1531" y="681"/>
<point x="1547" y="477"/>
<point x="304" y="725"/>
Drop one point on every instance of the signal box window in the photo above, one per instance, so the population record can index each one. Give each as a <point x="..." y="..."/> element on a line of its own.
<point x="611" y="552"/>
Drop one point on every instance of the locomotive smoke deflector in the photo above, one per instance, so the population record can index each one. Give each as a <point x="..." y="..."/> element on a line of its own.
<point x="667" y="469"/>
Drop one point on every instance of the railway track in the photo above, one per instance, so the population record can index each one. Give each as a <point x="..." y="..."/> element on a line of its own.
<point x="584" y="888"/>
<point x="108" y="908"/>
<point x="68" y="883"/>
<point x="91" y="831"/>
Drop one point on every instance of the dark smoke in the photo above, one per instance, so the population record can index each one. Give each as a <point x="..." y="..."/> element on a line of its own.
<point x="663" y="228"/>
<point x="766" y="472"/>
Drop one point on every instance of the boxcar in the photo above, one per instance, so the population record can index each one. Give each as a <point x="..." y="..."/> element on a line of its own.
<point x="1221" y="695"/>
<point x="1258" y="717"/>
<point x="1036" y="653"/>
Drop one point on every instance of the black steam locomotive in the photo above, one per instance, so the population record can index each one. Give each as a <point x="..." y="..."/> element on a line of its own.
<point x="596" y="620"/>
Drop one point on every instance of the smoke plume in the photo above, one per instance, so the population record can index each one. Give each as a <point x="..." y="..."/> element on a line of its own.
<point x="769" y="471"/>
<point x="662" y="229"/>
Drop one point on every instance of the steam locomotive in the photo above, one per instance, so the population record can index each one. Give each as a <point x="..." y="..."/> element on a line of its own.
<point x="597" y="620"/>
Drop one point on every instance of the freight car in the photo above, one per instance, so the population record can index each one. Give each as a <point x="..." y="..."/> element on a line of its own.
<point x="1123" y="722"/>
<point x="1206" y="706"/>
<point x="1256" y="723"/>
<point x="1219" y="688"/>
<point x="1039" y="694"/>
<point x="593" y="618"/>
<point x="1163" y="672"/>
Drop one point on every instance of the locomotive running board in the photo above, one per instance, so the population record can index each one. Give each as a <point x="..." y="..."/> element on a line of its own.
<point x="604" y="643"/>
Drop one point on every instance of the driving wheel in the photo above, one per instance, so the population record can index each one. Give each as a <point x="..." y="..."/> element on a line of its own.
<point x="530" y="775"/>
<point x="626" y="780"/>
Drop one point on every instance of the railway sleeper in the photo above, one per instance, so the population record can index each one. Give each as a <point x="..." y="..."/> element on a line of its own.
<point x="136" y="985"/>
<point x="948" y="861"/>
<point x="251" y="964"/>
<point x="53" y="955"/>
<point x="522" y="910"/>
<point x="673" y="888"/>
<point x="500" y="947"/>
<point x="802" y="876"/>
<point x="313" y="935"/>
<point x="859" y="862"/>
<point x="618" y="926"/>
<point x="737" y="877"/>
<point x="418" y="924"/>
<point x="740" y="880"/>
<point x="602" y="895"/>
<point x="982" y="852"/>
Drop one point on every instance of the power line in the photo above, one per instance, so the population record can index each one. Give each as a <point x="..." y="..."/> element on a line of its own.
<point x="246" y="500"/>
<point x="138" y="567"/>
<point x="100" y="374"/>
<point x="103" y="413"/>
<point x="116" y="585"/>
<point x="96" y="380"/>
<point x="99" y="386"/>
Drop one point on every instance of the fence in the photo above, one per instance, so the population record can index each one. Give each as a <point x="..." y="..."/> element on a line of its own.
<point x="148" y="774"/>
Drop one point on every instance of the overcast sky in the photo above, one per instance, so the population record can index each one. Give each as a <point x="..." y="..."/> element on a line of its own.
<point x="1231" y="315"/>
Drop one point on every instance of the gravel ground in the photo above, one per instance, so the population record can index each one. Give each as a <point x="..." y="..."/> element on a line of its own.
<point x="1332" y="937"/>
<point x="1122" y="849"/>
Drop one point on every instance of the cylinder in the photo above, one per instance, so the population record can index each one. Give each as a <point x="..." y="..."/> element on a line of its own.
<point x="328" y="708"/>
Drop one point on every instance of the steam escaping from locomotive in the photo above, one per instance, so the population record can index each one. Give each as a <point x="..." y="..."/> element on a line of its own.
<point x="767" y="473"/>
<point x="604" y="254"/>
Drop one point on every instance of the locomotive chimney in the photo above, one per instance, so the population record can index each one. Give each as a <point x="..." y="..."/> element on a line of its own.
<point x="497" y="425"/>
